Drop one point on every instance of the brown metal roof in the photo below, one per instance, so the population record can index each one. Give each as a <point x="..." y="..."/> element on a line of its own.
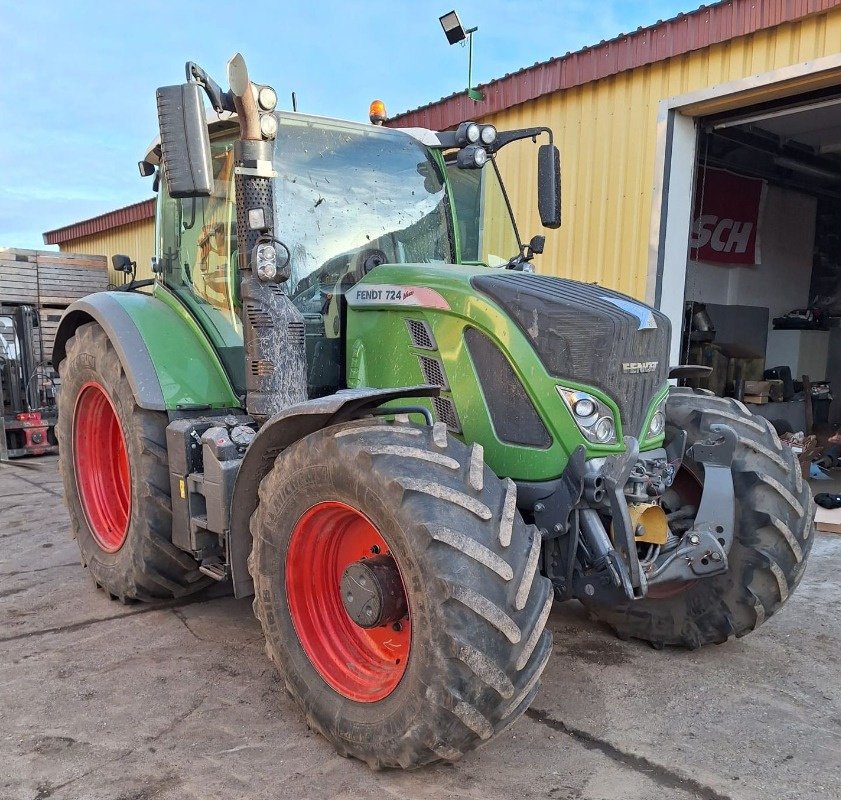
<point x="104" y="222"/>
<point x="684" y="33"/>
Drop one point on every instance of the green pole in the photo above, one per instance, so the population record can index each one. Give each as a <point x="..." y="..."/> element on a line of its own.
<point x="473" y="94"/>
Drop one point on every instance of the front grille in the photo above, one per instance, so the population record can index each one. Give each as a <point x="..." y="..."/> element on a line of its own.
<point x="445" y="411"/>
<point x="513" y="415"/>
<point x="421" y="335"/>
<point x="581" y="334"/>
<point x="433" y="371"/>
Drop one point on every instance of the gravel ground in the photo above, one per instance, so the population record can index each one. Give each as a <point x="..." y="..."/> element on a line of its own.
<point x="100" y="700"/>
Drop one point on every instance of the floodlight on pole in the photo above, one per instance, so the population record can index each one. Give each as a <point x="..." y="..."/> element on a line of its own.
<point x="455" y="33"/>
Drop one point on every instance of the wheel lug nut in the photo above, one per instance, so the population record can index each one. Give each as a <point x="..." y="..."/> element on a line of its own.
<point x="375" y="549"/>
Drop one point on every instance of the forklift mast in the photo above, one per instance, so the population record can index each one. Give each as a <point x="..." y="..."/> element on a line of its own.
<point x="27" y="413"/>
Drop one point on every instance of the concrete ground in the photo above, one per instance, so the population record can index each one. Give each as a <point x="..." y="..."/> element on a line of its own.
<point x="100" y="700"/>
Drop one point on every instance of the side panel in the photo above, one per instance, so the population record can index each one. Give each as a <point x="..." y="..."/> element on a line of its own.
<point x="170" y="364"/>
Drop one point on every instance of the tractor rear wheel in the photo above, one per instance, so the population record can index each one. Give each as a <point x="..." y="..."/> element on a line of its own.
<point x="773" y="537"/>
<point x="399" y="592"/>
<point x="113" y="462"/>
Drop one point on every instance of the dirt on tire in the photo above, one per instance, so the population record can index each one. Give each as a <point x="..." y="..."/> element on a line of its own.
<point x="147" y="566"/>
<point x="470" y="565"/>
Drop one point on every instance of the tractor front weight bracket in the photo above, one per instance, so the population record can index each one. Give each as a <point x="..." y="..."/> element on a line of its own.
<point x="703" y="549"/>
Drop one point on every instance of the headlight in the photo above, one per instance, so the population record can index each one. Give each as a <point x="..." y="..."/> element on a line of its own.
<point x="266" y="262"/>
<point x="471" y="157"/>
<point x="472" y="133"/>
<point x="488" y="135"/>
<point x="267" y="98"/>
<point x="658" y="421"/>
<point x="268" y="125"/>
<point x="593" y="418"/>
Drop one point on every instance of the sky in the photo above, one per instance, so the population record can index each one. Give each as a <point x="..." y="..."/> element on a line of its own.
<point x="78" y="77"/>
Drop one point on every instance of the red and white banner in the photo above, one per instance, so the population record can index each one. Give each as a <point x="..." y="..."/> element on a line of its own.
<point x="725" y="227"/>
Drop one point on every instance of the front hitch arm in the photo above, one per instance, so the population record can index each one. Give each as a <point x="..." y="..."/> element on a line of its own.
<point x="703" y="548"/>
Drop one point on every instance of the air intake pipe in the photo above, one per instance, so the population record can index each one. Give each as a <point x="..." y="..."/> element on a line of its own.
<point x="273" y="328"/>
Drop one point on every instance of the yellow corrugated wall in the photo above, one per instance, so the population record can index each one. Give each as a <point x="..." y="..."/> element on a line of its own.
<point x="606" y="132"/>
<point x="136" y="240"/>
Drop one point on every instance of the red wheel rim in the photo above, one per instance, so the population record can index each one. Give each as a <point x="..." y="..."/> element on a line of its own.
<point x="362" y="664"/>
<point x="100" y="461"/>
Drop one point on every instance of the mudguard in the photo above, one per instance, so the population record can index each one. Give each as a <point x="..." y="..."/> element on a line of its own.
<point x="168" y="360"/>
<point x="278" y="433"/>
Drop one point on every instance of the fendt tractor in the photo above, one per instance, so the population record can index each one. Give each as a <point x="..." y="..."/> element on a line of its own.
<point x="347" y="393"/>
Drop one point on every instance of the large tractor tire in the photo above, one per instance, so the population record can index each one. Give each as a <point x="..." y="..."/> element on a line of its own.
<point x="461" y="650"/>
<point x="772" y="539"/>
<point x="113" y="461"/>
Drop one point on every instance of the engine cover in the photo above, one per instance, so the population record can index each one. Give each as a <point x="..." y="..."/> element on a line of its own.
<point x="589" y="335"/>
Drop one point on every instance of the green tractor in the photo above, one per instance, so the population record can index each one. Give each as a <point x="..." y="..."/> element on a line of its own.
<point x="348" y="394"/>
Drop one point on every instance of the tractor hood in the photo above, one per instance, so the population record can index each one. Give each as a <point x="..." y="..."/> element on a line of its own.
<point x="590" y="335"/>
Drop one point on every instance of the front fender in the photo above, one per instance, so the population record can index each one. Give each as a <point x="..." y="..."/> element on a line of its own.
<point x="168" y="360"/>
<point x="279" y="432"/>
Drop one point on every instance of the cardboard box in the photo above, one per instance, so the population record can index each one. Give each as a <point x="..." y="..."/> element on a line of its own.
<point x="756" y="399"/>
<point x="758" y="387"/>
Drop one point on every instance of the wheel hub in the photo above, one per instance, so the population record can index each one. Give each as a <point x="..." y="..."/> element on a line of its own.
<point x="372" y="592"/>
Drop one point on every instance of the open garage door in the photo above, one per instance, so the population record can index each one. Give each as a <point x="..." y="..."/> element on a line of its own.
<point x="763" y="275"/>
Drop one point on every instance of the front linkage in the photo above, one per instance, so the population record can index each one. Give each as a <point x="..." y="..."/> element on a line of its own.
<point x="600" y="511"/>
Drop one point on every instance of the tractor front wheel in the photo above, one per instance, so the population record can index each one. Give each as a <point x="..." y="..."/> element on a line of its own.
<point x="399" y="592"/>
<point x="113" y="462"/>
<point x="773" y="536"/>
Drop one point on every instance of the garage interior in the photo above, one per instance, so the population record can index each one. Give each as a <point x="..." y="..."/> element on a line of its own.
<point x="763" y="281"/>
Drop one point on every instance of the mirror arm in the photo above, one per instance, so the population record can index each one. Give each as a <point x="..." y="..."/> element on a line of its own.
<point x="221" y="101"/>
<point x="506" y="137"/>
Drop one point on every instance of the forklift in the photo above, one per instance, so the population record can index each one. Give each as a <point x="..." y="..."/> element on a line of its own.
<point x="27" y="387"/>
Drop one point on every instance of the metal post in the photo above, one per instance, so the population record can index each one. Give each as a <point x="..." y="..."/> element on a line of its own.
<point x="473" y="94"/>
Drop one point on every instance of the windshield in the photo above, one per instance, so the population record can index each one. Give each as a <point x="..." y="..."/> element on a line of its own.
<point x="349" y="197"/>
<point x="486" y="230"/>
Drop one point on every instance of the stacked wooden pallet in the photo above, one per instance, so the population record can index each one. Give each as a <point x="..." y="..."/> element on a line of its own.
<point x="50" y="282"/>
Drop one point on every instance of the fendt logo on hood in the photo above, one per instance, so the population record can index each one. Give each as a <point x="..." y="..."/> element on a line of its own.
<point x="638" y="367"/>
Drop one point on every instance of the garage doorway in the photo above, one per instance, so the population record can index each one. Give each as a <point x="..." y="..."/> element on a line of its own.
<point x="745" y="245"/>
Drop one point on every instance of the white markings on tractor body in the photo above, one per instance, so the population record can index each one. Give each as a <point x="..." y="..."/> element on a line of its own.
<point x="509" y="508"/>
<point x="414" y="452"/>
<point x="534" y="636"/>
<point x="485" y="608"/>
<point x="475" y="550"/>
<point x="446" y="494"/>
<point x="528" y="573"/>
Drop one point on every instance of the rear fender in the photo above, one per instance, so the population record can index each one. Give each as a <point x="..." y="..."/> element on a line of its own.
<point x="169" y="363"/>
<point x="278" y="433"/>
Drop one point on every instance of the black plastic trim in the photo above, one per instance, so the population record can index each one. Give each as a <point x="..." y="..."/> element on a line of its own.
<point x="123" y="335"/>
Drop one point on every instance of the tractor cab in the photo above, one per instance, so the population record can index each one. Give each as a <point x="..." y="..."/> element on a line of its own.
<point x="349" y="198"/>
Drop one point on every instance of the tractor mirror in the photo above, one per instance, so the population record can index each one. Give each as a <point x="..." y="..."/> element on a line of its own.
<point x="185" y="142"/>
<point x="121" y="263"/>
<point x="549" y="185"/>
